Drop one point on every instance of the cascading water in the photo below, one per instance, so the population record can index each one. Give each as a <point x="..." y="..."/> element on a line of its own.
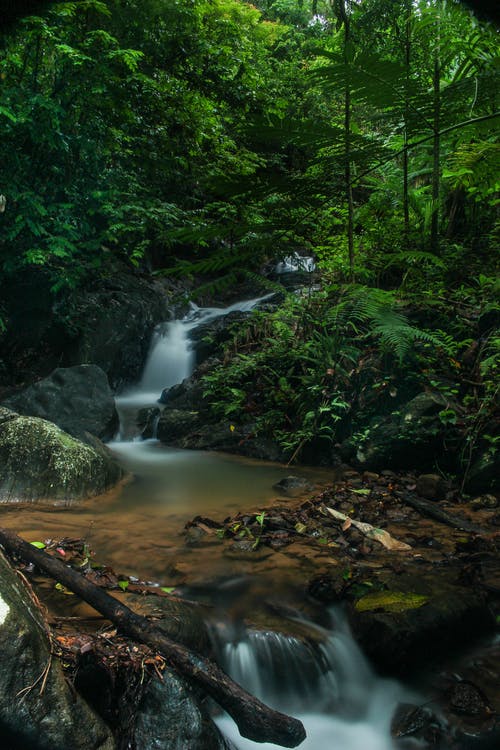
<point x="171" y="359"/>
<point x="328" y="685"/>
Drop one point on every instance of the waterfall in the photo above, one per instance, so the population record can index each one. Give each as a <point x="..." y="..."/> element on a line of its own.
<point x="329" y="685"/>
<point x="170" y="360"/>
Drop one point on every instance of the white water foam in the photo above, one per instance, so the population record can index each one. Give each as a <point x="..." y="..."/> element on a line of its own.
<point x="345" y="705"/>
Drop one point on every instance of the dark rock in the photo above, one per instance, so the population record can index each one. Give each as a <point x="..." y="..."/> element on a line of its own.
<point x="239" y="439"/>
<point x="292" y="486"/>
<point x="484" y="475"/>
<point x="29" y="717"/>
<point x="466" y="698"/>
<point x="113" y="324"/>
<point x="412" y="437"/>
<point x="77" y="399"/>
<point x="418" y="722"/>
<point x="431" y="486"/>
<point x="395" y="641"/>
<point x="176" y="424"/>
<point x="108" y="322"/>
<point x="170" y="716"/>
<point x="209" y="337"/>
<point x="42" y="462"/>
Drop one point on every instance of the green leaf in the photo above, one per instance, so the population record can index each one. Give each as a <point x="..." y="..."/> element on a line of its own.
<point x="63" y="589"/>
<point x="38" y="545"/>
<point x="123" y="585"/>
<point x="167" y="589"/>
<point x="361" y="492"/>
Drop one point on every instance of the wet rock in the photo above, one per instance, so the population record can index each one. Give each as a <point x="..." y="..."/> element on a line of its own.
<point x="292" y="486"/>
<point x="113" y="323"/>
<point x="484" y="501"/>
<point x="54" y="717"/>
<point x="209" y="337"/>
<point x="42" y="462"/>
<point x="107" y="322"/>
<point x="431" y="486"/>
<point x="171" y="716"/>
<point x="175" y="424"/>
<point x="418" y="722"/>
<point x="181" y="621"/>
<point x="396" y="640"/>
<point x="484" y="474"/>
<point x="77" y="399"/>
<point x="466" y="698"/>
<point x="411" y="437"/>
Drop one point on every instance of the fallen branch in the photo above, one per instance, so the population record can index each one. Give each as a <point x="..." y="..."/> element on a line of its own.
<point x="255" y="720"/>
<point x="432" y="510"/>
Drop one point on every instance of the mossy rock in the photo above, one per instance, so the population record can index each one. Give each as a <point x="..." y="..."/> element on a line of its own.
<point x="42" y="462"/>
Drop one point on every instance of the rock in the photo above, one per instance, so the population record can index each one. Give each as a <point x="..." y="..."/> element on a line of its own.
<point x="396" y="640"/>
<point x="54" y="717"/>
<point x="113" y="323"/>
<point x="170" y="716"/>
<point x="181" y="621"/>
<point x="41" y="462"/>
<point x="431" y="486"/>
<point x="77" y="399"/>
<point x="209" y="337"/>
<point x="107" y="322"/>
<point x="409" y="438"/>
<point x="175" y="424"/>
<point x="484" y="474"/>
<point x="293" y="486"/>
<point x="419" y="722"/>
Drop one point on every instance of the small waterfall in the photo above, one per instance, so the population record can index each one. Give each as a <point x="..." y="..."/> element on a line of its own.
<point x="171" y="359"/>
<point x="329" y="685"/>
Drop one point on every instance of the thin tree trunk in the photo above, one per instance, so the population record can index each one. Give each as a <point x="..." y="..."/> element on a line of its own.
<point x="436" y="171"/>
<point x="407" y="50"/>
<point x="255" y="720"/>
<point x="346" y="20"/>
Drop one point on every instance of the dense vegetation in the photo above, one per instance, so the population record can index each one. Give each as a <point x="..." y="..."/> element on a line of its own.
<point x="210" y="137"/>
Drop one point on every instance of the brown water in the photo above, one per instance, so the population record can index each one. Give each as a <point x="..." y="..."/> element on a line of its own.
<point x="138" y="527"/>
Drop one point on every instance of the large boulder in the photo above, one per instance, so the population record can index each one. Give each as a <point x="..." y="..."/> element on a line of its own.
<point x="42" y="462"/>
<point x="415" y="436"/>
<point x="37" y="708"/>
<point x="108" y="321"/>
<point x="484" y="475"/>
<point x="77" y="399"/>
<point x="113" y="326"/>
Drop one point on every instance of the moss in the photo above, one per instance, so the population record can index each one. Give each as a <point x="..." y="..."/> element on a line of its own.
<point x="41" y="461"/>
<point x="390" y="601"/>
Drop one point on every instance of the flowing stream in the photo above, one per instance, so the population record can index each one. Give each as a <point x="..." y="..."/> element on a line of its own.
<point x="330" y="687"/>
<point x="342" y="703"/>
<point x="137" y="528"/>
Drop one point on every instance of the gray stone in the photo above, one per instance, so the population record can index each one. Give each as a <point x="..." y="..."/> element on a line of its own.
<point x="171" y="717"/>
<point x="77" y="399"/>
<point x="292" y="486"/>
<point x="30" y="717"/>
<point x="42" y="462"/>
<point x="431" y="486"/>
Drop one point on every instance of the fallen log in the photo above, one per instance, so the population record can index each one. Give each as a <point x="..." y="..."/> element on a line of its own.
<point x="255" y="720"/>
<point x="426" y="508"/>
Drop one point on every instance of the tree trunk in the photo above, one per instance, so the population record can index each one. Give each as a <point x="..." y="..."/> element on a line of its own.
<point x="436" y="172"/>
<point x="255" y="720"/>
